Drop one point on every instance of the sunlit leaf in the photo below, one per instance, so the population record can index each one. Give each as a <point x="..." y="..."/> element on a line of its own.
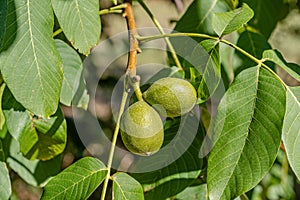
<point x="276" y="57"/>
<point x="5" y="187"/>
<point x="247" y="133"/>
<point x="80" y="22"/>
<point x="227" y="22"/>
<point x="291" y="129"/>
<point x="126" y="188"/>
<point x="78" y="181"/>
<point x="29" y="61"/>
<point x="39" y="138"/>
<point x="73" y="90"/>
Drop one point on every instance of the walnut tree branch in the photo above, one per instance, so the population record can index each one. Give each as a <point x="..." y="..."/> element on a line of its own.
<point x="133" y="42"/>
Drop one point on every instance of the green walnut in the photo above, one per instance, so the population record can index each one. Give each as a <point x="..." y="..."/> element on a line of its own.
<point x="142" y="129"/>
<point x="177" y="96"/>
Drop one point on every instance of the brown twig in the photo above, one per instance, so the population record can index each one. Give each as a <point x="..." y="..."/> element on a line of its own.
<point x="133" y="42"/>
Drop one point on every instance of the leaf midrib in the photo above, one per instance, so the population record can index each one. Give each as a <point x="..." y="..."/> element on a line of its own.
<point x="76" y="183"/>
<point x="252" y="115"/>
<point x="207" y="13"/>
<point x="80" y="19"/>
<point x="34" y="49"/>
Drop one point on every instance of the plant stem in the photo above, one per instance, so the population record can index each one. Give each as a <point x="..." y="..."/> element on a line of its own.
<point x="133" y="50"/>
<point x="153" y="37"/>
<point x="115" y="9"/>
<point x="258" y="61"/>
<point x="241" y="50"/>
<point x="107" y="11"/>
<point x="114" y="140"/>
<point x="57" y="32"/>
<point x="133" y="42"/>
<point x="161" y="30"/>
<point x="135" y="83"/>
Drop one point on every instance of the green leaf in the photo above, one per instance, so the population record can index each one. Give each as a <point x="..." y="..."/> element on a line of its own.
<point x="78" y="181"/>
<point x="198" y="192"/>
<point x="198" y="17"/>
<point x="211" y="73"/>
<point x="175" y="177"/>
<point x="34" y="172"/>
<point x="254" y="44"/>
<point x="246" y="133"/>
<point x="227" y="22"/>
<point x="276" y="57"/>
<point x="29" y="62"/>
<point x="291" y="129"/>
<point x="2" y="118"/>
<point x="73" y="90"/>
<point x="267" y="14"/>
<point x="5" y="185"/>
<point x="126" y="188"/>
<point x="80" y="22"/>
<point x="39" y="138"/>
<point x="3" y="13"/>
